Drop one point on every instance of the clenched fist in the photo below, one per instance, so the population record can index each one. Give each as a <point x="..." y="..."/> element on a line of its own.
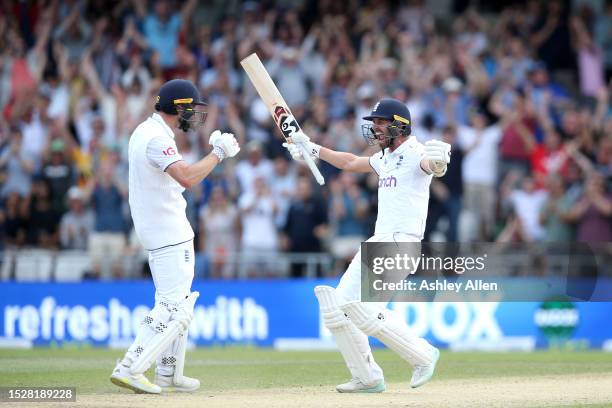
<point x="438" y="153"/>
<point x="224" y="144"/>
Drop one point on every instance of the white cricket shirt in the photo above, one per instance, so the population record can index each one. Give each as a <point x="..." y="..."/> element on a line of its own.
<point x="156" y="201"/>
<point x="403" y="189"/>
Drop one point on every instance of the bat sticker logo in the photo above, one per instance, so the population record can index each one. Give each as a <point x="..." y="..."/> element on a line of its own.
<point x="286" y="122"/>
<point x="289" y="126"/>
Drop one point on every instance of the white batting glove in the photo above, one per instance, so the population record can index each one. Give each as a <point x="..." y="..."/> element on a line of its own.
<point x="438" y="153"/>
<point x="224" y="144"/>
<point x="301" y="139"/>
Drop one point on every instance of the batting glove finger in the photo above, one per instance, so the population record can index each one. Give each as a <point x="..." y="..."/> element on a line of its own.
<point x="229" y="144"/>
<point x="214" y="137"/>
<point x="299" y="137"/>
<point x="294" y="151"/>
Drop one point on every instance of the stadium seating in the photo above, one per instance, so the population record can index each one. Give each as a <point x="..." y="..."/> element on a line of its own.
<point x="33" y="265"/>
<point x="70" y="265"/>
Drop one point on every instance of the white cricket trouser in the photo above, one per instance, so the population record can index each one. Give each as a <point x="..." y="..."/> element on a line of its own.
<point x="349" y="288"/>
<point x="172" y="269"/>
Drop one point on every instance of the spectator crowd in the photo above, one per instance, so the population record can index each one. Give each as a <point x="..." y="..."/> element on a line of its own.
<point x="522" y="94"/>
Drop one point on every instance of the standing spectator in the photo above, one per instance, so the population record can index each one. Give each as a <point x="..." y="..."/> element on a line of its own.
<point x="349" y="206"/>
<point x="518" y="136"/>
<point x="219" y="225"/>
<point x="77" y="224"/>
<point x="136" y="83"/>
<point x="593" y="212"/>
<point x="547" y="97"/>
<point x="58" y="174"/>
<point x="162" y="28"/>
<point x="519" y="60"/>
<point x="447" y="190"/>
<point x="255" y="166"/>
<point x="339" y="87"/>
<point x="103" y="54"/>
<point x="35" y="125"/>
<point x="590" y="59"/>
<point x="348" y="213"/>
<point x="526" y="203"/>
<point x="14" y="228"/>
<point x="456" y="104"/>
<point x="74" y="34"/>
<point x="451" y="104"/>
<point x="306" y="223"/>
<point x="40" y="220"/>
<point x="549" y="158"/>
<point x="259" y="236"/>
<point x="18" y="166"/>
<point x="389" y="76"/>
<point x="366" y="98"/>
<point x="59" y="96"/>
<point x="290" y="77"/>
<point x="479" y="171"/>
<point x="554" y="212"/>
<point x="260" y="124"/>
<point x="221" y="80"/>
<point x="283" y="187"/>
<point x="22" y="68"/>
<point x="550" y="36"/>
<point x="107" y="240"/>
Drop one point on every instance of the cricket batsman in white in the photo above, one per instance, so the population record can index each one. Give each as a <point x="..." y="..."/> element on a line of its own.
<point x="405" y="168"/>
<point x="157" y="178"/>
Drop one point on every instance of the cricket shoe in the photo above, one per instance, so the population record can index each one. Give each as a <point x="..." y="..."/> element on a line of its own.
<point x="138" y="383"/>
<point x="423" y="373"/>
<point x="356" y="386"/>
<point x="184" y="384"/>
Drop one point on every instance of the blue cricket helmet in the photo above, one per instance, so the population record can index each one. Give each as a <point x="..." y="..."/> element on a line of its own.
<point x="393" y="110"/>
<point x="180" y="97"/>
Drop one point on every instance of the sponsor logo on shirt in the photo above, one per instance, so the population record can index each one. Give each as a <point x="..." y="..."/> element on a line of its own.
<point x="387" y="182"/>
<point x="169" y="151"/>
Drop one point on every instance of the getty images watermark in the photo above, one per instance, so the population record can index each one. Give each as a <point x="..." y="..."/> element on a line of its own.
<point x="484" y="272"/>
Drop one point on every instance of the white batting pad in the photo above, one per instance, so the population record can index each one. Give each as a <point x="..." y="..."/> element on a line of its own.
<point x="169" y="360"/>
<point x="163" y="335"/>
<point x="353" y="344"/>
<point x="154" y="322"/>
<point x="392" y="331"/>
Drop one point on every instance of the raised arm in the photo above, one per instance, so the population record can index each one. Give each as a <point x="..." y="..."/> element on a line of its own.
<point x="346" y="161"/>
<point x="187" y="12"/>
<point x="188" y="175"/>
<point x="342" y="160"/>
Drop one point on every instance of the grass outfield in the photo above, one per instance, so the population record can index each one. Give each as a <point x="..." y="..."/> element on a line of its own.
<point x="236" y="371"/>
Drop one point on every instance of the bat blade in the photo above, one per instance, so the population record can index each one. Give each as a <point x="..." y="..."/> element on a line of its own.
<point x="278" y="108"/>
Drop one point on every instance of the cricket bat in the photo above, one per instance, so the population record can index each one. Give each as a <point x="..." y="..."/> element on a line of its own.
<point x="277" y="106"/>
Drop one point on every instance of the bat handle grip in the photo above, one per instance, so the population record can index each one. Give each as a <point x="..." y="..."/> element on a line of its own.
<point x="311" y="164"/>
